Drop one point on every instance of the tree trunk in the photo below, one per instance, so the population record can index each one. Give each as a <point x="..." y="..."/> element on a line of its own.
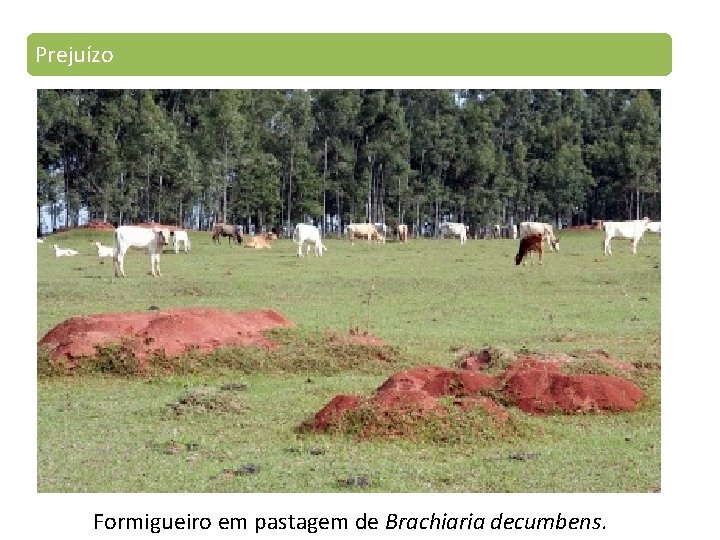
<point x="324" y="219"/>
<point x="147" y="207"/>
<point x="339" y="231"/>
<point x="289" y="206"/>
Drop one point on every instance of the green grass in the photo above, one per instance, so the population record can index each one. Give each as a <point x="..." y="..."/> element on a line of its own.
<point x="429" y="300"/>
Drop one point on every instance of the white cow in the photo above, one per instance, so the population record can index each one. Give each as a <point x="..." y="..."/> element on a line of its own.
<point x="178" y="236"/>
<point x="364" y="230"/>
<point x="402" y="232"/>
<point x="653" y="227"/>
<point x="527" y="228"/>
<point x="311" y="234"/>
<point x="64" y="252"/>
<point x="454" y="229"/>
<point x="104" y="251"/>
<point x="127" y="236"/>
<point x="633" y="230"/>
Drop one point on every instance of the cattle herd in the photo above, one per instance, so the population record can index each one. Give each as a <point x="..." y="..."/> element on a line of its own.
<point x="532" y="236"/>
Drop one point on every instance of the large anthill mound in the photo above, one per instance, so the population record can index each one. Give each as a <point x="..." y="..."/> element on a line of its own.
<point x="168" y="333"/>
<point x="541" y="384"/>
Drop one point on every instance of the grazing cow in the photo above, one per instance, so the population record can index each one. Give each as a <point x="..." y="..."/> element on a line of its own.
<point x="311" y="234"/>
<point x="178" y="236"/>
<point x="104" y="251"/>
<point x="534" y="227"/>
<point x="127" y="236"/>
<point x="402" y="232"/>
<point x="632" y="230"/>
<point x="231" y="231"/>
<point x="64" y="252"/>
<point x="364" y="230"/>
<point x="454" y="229"/>
<point x="532" y="242"/>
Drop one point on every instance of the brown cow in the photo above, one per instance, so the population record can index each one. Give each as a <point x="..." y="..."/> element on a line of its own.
<point x="532" y="242"/>
<point x="231" y="231"/>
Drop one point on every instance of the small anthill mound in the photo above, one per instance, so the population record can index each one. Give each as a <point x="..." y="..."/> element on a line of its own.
<point x="168" y="333"/>
<point x="363" y="338"/>
<point x="440" y="397"/>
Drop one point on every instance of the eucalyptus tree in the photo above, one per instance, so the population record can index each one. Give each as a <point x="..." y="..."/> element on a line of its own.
<point x="226" y="137"/>
<point x="337" y="134"/>
<point x="641" y="150"/>
<point x="257" y="190"/>
<point x="49" y="148"/>
<point x="481" y="163"/>
<point x="431" y="116"/>
<point x="302" y="184"/>
<point x="383" y="152"/>
<point x="567" y="180"/>
<point x="65" y="147"/>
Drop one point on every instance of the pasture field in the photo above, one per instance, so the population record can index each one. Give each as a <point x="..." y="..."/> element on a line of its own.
<point x="428" y="299"/>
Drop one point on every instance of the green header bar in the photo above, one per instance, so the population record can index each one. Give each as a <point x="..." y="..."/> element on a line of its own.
<point x="349" y="54"/>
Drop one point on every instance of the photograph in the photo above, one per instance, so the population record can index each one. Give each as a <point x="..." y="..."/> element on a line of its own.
<point x="349" y="290"/>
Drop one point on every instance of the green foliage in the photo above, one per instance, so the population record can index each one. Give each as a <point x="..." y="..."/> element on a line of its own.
<point x="261" y="156"/>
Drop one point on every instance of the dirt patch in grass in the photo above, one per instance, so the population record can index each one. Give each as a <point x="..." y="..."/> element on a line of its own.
<point x="168" y="333"/>
<point x="208" y="399"/>
<point x="483" y="396"/>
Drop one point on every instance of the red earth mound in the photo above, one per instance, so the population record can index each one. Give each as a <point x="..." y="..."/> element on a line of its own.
<point x="170" y="332"/>
<point x="534" y="384"/>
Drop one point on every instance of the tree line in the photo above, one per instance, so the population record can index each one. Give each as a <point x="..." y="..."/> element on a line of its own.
<point x="270" y="157"/>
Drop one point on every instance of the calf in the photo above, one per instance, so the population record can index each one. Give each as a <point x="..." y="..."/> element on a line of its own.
<point x="632" y="230"/>
<point x="535" y="227"/>
<point x="311" y="234"/>
<point x="532" y="242"/>
<point x="104" y="251"/>
<point x="180" y="236"/>
<point x="231" y="231"/>
<point x="64" y="252"/>
<point x="127" y="236"/>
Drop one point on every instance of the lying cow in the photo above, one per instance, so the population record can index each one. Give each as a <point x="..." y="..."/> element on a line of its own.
<point x="532" y="242"/>
<point x="632" y="230"/>
<point x="231" y="231"/>
<point x="259" y="241"/>
<point x="454" y="229"/>
<point x="535" y="227"/>
<point x="311" y="234"/>
<point x="364" y="230"/>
